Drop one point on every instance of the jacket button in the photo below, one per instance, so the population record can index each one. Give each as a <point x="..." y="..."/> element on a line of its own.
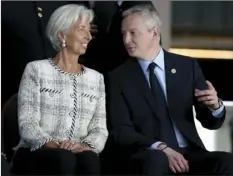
<point x="39" y="8"/>
<point x="40" y="15"/>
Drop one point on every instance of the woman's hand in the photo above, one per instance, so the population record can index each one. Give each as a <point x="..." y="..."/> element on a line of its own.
<point x="81" y="149"/>
<point x="68" y="144"/>
<point x="51" y="144"/>
<point x="74" y="147"/>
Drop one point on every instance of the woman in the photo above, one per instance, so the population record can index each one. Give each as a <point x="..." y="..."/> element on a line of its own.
<point x="61" y="106"/>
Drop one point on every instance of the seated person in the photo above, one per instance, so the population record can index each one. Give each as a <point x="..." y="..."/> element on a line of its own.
<point x="61" y="104"/>
<point x="150" y="105"/>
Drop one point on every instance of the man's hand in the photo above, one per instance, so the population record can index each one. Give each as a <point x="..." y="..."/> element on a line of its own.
<point x="208" y="97"/>
<point x="177" y="163"/>
<point x="51" y="144"/>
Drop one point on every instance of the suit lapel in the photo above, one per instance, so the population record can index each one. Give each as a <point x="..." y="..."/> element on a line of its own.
<point x="172" y="78"/>
<point x="172" y="75"/>
<point x="139" y="81"/>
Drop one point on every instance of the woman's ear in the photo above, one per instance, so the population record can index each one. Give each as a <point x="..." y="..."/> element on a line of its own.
<point x="61" y="36"/>
<point x="62" y="39"/>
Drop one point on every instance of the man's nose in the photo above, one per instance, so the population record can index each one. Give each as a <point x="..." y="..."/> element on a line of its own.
<point x="126" y="38"/>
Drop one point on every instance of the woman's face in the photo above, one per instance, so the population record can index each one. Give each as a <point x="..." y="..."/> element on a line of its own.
<point x="78" y="36"/>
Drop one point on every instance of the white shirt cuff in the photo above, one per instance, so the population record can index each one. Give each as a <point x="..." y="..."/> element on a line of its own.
<point x="218" y="113"/>
<point x="155" y="145"/>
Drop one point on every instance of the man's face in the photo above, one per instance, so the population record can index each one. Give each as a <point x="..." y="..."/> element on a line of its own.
<point x="137" y="39"/>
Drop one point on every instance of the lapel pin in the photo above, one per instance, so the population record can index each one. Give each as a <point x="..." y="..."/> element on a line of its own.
<point x="173" y="70"/>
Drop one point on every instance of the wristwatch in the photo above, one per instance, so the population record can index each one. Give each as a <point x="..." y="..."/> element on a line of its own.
<point x="220" y="102"/>
<point x="162" y="146"/>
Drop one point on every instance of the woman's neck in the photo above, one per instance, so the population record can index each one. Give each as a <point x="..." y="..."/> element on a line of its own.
<point x="68" y="62"/>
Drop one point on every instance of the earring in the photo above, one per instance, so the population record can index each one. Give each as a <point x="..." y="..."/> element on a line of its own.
<point x="63" y="43"/>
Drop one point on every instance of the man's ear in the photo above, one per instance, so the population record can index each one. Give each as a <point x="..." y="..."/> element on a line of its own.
<point x="155" y="32"/>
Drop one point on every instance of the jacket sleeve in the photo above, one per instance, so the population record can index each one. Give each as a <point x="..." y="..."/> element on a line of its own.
<point x="29" y="109"/>
<point x="97" y="128"/>
<point x="203" y="114"/>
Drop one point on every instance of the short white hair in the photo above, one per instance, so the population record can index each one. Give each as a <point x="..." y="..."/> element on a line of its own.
<point x="148" y="13"/>
<point x="62" y="19"/>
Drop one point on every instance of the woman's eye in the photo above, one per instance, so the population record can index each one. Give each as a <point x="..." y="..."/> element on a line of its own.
<point x="81" y="29"/>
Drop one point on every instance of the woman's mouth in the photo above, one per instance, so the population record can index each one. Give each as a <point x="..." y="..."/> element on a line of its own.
<point x="84" y="45"/>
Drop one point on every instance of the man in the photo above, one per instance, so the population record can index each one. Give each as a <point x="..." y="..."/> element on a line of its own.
<point x="150" y="105"/>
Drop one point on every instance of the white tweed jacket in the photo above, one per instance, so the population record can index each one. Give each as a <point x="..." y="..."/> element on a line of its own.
<point x="54" y="105"/>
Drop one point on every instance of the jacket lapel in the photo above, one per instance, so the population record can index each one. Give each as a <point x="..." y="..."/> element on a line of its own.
<point x="172" y="82"/>
<point x="139" y="80"/>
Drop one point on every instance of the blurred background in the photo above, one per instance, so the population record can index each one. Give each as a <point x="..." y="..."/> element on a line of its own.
<point x="204" y="30"/>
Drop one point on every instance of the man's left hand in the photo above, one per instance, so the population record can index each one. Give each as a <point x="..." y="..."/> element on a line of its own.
<point x="208" y="97"/>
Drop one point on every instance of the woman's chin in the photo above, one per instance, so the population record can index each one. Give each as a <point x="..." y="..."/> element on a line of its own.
<point x="80" y="51"/>
<point x="83" y="50"/>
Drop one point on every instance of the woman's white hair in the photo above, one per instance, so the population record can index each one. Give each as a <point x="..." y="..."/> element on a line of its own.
<point x="62" y="19"/>
<point x="148" y="13"/>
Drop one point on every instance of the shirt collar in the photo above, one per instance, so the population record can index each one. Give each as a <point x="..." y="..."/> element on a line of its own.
<point x="158" y="59"/>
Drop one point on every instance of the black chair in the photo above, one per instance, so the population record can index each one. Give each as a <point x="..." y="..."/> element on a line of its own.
<point x="9" y="126"/>
<point x="5" y="167"/>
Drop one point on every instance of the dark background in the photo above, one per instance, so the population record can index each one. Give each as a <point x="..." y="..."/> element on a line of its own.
<point x="207" y="25"/>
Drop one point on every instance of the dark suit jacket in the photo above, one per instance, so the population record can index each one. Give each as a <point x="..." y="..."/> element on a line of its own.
<point x="133" y="118"/>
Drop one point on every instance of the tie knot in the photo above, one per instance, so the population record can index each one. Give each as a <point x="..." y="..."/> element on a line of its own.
<point x="152" y="66"/>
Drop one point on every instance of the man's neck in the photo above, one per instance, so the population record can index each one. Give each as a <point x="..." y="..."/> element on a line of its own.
<point x="153" y="53"/>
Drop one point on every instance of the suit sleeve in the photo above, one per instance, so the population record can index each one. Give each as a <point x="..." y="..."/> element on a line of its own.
<point x="121" y="126"/>
<point x="203" y="114"/>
